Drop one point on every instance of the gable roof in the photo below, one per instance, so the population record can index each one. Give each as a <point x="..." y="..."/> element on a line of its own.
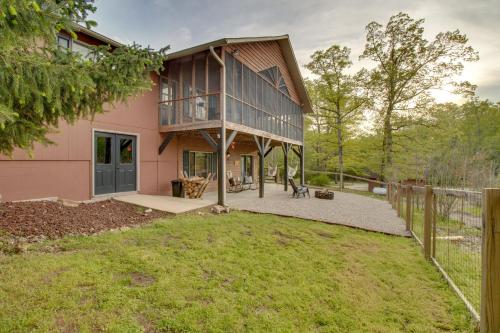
<point x="286" y="48"/>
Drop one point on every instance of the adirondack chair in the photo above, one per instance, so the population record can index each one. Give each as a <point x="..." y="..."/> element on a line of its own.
<point x="298" y="190"/>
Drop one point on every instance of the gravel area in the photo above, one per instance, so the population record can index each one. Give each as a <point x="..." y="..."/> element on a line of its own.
<point x="38" y="220"/>
<point x="346" y="209"/>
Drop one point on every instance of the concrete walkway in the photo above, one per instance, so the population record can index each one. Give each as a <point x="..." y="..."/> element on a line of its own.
<point x="346" y="209"/>
<point x="165" y="203"/>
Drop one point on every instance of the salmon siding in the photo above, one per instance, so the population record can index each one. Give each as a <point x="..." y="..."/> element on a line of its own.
<point x="256" y="100"/>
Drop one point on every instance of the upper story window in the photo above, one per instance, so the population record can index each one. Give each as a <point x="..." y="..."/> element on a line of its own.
<point x="76" y="46"/>
<point x="273" y="75"/>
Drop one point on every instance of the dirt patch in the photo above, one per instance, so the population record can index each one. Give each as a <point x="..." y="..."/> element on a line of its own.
<point x="141" y="280"/>
<point x="287" y="236"/>
<point x="324" y="234"/>
<point x="33" y="221"/>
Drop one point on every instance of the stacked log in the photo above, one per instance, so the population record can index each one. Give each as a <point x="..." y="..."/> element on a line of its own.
<point x="195" y="186"/>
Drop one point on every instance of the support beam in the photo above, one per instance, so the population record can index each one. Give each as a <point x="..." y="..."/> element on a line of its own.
<point x="230" y="138"/>
<point x="209" y="139"/>
<point x="286" y="149"/>
<point x="302" y="169"/>
<point x="270" y="149"/>
<point x="297" y="152"/>
<point x="165" y="142"/>
<point x="221" y="168"/>
<point x="261" y="168"/>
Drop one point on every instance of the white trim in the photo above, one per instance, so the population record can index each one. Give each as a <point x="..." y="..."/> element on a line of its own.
<point x="137" y="162"/>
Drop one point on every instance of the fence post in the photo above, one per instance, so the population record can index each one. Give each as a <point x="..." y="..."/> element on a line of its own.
<point x="434" y="225"/>
<point x="427" y="221"/>
<point x="398" y="200"/>
<point x="389" y="192"/>
<point x="408" y="208"/>
<point x="490" y="286"/>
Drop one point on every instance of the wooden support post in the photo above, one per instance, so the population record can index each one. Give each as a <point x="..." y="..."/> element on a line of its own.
<point x="434" y="225"/>
<point x="398" y="200"/>
<point x="427" y="222"/>
<point x="221" y="168"/>
<point x="261" y="167"/>
<point x="302" y="171"/>
<point x="490" y="286"/>
<point x="286" y="149"/>
<point x="408" y="208"/>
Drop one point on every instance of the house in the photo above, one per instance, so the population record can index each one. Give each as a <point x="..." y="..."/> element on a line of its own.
<point x="216" y="107"/>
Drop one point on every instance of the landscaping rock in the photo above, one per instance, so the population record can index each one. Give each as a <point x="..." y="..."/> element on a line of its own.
<point x="68" y="203"/>
<point x="218" y="209"/>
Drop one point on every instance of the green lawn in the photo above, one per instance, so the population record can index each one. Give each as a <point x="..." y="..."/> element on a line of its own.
<point x="239" y="272"/>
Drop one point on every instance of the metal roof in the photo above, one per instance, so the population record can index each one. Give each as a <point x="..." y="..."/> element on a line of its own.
<point x="288" y="54"/>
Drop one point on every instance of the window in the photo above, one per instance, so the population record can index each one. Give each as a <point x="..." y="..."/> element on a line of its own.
<point x="199" y="164"/>
<point x="246" y="166"/>
<point x="126" y="151"/>
<point x="63" y="42"/>
<point x="81" y="48"/>
<point x="103" y="150"/>
<point x="66" y="42"/>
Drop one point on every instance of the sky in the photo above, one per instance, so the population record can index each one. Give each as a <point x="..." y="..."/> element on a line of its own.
<point x="312" y="25"/>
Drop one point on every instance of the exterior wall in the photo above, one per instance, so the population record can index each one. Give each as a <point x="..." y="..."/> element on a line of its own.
<point x="64" y="169"/>
<point x="262" y="55"/>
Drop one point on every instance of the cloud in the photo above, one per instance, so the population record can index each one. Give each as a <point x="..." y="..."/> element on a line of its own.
<point x="312" y="24"/>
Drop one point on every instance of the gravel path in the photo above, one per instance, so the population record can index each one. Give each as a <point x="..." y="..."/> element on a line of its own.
<point x="346" y="209"/>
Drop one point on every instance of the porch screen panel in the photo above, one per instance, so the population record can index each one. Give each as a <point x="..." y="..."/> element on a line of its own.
<point x="261" y="101"/>
<point x="200" y="101"/>
<point x="187" y="89"/>
<point x="213" y="88"/>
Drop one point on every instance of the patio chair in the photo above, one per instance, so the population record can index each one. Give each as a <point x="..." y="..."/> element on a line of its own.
<point x="298" y="190"/>
<point x="234" y="184"/>
<point x="248" y="183"/>
<point x="272" y="172"/>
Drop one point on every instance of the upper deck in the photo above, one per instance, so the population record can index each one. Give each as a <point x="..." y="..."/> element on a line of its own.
<point x="260" y="95"/>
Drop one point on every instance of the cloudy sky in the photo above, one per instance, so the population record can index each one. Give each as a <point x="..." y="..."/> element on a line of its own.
<point x="311" y="24"/>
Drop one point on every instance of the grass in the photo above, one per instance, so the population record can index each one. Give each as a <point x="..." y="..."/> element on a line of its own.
<point x="461" y="259"/>
<point x="240" y="272"/>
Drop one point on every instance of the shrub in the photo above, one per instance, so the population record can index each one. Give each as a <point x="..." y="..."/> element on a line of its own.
<point x="320" y="180"/>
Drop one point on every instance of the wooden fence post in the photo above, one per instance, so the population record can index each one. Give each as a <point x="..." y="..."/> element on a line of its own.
<point x="389" y="192"/>
<point x="434" y="225"/>
<point x="398" y="200"/>
<point x="490" y="286"/>
<point x="408" y="208"/>
<point x="427" y="222"/>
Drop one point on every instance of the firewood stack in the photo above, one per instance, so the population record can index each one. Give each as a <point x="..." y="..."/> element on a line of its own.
<point x="195" y="186"/>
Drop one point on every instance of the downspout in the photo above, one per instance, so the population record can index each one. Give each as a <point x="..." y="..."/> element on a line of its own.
<point x="221" y="188"/>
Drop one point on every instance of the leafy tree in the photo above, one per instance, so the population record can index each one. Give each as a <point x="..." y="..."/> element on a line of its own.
<point x="41" y="83"/>
<point x="338" y="96"/>
<point x="408" y="68"/>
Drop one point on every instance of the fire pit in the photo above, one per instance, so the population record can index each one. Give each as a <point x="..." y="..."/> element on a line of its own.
<point x="324" y="194"/>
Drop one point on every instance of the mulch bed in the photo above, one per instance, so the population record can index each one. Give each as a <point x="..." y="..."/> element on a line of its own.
<point x="38" y="220"/>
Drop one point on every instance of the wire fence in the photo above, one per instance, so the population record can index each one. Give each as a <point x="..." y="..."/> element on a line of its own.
<point x="448" y="223"/>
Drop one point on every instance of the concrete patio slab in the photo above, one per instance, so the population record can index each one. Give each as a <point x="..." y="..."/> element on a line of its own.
<point x="165" y="203"/>
<point x="347" y="209"/>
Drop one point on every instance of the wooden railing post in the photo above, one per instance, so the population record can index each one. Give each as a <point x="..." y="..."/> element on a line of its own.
<point x="408" y="208"/>
<point x="398" y="200"/>
<point x="389" y="192"/>
<point x="490" y="286"/>
<point x="427" y="222"/>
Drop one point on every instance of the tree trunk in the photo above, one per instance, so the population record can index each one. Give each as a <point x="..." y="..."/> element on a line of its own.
<point x="340" y="152"/>
<point x="387" y="146"/>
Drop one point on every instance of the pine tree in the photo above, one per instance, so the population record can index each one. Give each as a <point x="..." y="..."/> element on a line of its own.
<point x="41" y="83"/>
